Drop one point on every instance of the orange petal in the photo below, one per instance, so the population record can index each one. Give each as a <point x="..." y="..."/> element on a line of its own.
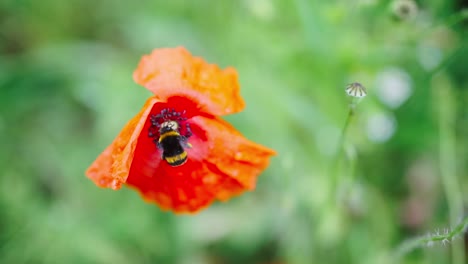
<point x="231" y="153"/>
<point x="221" y="164"/>
<point x="175" y="72"/>
<point x="112" y="167"/>
<point x="182" y="189"/>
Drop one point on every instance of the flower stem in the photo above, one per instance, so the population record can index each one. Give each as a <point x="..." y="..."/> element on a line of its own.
<point x="334" y="169"/>
<point x="443" y="97"/>
<point x="341" y="141"/>
<point x="444" y="237"/>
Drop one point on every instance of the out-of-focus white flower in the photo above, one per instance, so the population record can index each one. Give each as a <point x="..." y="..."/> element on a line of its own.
<point x="354" y="198"/>
<point x="404" y="9"/>
<point x="356" y="90"/>
<point x="262" y="9"/>
<point x="380" y="127"/>
<point x="393" y="87"/>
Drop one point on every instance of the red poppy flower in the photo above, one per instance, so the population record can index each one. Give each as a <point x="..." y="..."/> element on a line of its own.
<point x="177" y="152"/>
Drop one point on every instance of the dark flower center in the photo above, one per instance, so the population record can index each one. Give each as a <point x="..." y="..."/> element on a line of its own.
<point x="169" y="120"/>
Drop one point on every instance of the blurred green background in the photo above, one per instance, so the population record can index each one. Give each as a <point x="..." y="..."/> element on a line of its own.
<point x="66" y="90"/>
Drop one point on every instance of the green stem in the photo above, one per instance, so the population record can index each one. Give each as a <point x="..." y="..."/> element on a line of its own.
<point x="334" y="169"/>
<point x="429" y="240"/>
<point x="447" y="155"/>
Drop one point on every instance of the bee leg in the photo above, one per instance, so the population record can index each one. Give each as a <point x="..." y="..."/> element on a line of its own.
<point x="158" y="144"/>
<point x="184" y="142"/>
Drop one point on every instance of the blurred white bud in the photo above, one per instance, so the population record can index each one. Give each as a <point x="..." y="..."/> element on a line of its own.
<point x="404" y="9"/>
<point x="393" y="87"/>
<point x="380" y="127"/>
<point x="356" y="90"/>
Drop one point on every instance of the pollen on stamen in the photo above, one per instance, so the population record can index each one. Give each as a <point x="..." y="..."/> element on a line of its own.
<point x="169" y="118"/>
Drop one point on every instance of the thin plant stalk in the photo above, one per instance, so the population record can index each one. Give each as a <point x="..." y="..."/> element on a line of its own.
<point x="444" y="237"/>
<point x="340" y="148"/>
<point x="443" y="97"/>
<point x="355" y="92"/>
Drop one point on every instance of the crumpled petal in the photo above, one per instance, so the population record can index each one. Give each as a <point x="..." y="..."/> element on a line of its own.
<point x="184" y="189"/>
<point x="112" y="166"/>
<point x="231" y="153"/>
<point x="221" y="164"/>
<point x="175" y="72"/>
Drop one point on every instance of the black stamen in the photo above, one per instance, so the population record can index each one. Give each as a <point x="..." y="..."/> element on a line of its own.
<point x="166" y="116"/>
<point x="188" y="131"/>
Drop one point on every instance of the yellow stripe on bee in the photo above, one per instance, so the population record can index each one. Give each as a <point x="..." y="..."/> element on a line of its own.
<point x="176" y="158"/>
<point x="168" y="134"/>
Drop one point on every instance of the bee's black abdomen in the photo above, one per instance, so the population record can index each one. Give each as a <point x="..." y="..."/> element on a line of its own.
<point x="171" y="146"/>
<point x="165" y="131"/>
<point x="173" y="152"/>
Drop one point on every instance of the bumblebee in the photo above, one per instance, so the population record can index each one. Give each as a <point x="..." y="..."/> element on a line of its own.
<point x="172" y="143"/>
